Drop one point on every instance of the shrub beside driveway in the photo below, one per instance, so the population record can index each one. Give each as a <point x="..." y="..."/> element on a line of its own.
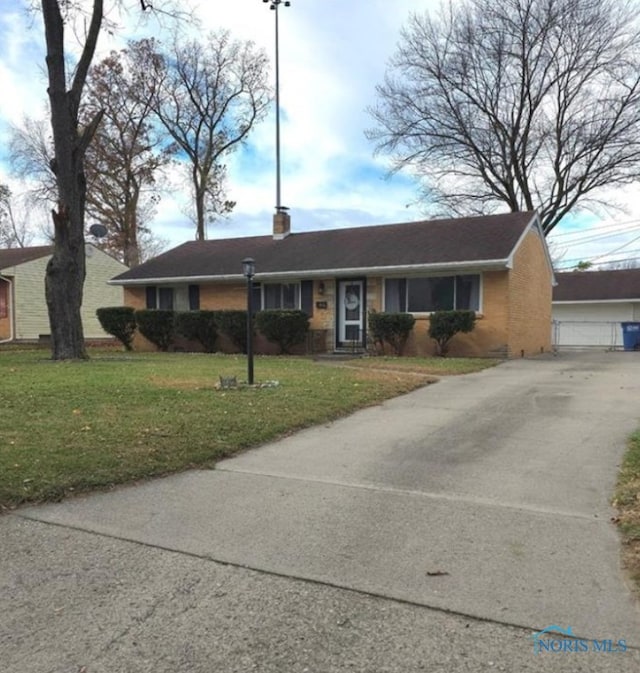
<point x="75" y="426"/>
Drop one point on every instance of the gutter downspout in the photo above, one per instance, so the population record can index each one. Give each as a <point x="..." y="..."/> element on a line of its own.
<point x="10" y="309"/>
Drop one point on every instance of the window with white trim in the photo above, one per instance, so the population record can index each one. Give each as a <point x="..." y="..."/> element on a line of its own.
<point x="432" y="293"/>
<point x="281" y="295"/>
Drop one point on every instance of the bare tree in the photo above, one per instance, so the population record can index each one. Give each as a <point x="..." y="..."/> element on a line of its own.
<point x="127" y="152"/>
<point x="209" y="95"/>
<point x="66" y="269"/>
<point x="15" y="231"/>
<point x="529" y="104"/>
<point x="30" y="157"/>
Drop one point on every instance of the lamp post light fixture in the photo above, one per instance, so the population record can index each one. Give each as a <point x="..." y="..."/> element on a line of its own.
<point x="274" y="4"/>
<point x="249" y="271"/>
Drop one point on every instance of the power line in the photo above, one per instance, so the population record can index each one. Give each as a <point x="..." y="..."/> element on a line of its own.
<point x="595" y="227"/>
<point x="568" y="263"/>
<point x="621" y="247"/>
<point x="588" y="236"/>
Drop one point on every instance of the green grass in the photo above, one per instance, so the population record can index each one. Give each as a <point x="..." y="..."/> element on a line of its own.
<point x="432" y="366"/>
<point x="627" y="501"/>
<point x="76" y="426"/>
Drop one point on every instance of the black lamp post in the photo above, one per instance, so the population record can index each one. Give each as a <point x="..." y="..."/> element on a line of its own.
<point x="275" y="4"/>
<point x="249" y="270"/>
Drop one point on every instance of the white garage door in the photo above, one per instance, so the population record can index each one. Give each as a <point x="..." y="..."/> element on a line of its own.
<point x="590" y="325"/>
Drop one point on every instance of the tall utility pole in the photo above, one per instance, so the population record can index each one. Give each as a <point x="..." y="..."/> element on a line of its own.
<point x="274" y="5"/>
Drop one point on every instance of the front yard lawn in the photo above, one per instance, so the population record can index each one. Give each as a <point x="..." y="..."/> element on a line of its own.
<point x="75" y="426"/>
<point x="429" y="366"/>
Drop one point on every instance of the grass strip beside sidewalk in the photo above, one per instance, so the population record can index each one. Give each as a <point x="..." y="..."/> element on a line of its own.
<point x="627" y="501"/>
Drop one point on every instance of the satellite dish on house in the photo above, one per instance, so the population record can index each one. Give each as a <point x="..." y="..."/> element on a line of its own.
<point x="98" y="230"/>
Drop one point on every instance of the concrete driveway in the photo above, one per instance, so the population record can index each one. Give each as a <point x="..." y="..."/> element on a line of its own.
<point x="437" y="531"/>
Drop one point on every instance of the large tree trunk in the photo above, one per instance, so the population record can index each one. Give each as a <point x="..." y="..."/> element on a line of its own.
<point x="66" y="269"/>
<point x="198" y="185"/>
<point x="63" y="283"/>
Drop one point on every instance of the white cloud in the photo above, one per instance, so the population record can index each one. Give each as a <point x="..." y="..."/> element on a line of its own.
<point x="332" y="55"/>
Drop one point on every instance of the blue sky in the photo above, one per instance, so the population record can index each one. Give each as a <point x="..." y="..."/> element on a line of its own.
<point x="332" y="54"/>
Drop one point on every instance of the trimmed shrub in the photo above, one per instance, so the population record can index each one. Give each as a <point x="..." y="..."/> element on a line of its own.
<point x="157" y="325"/>
<point x="285" y="328"/>
<point x="120" y="322"/>
<point x="198" y="326"/>
<point x="391" y="328"/>
<point x="234" y="325"/>
<point x="446" y="324"/>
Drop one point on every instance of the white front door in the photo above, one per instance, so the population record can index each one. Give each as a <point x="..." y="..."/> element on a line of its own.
<point x="350" y="312"/>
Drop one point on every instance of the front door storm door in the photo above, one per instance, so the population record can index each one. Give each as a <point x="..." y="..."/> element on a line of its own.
<point x="350" y="313"/>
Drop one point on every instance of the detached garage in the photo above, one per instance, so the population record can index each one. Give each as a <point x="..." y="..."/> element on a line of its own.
<point x="589" y="307"/>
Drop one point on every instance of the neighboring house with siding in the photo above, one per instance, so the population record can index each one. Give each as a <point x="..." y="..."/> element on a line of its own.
<point x="23" y="307"/>
<point x="497" y="266"/>
<point x="589" y="307"/>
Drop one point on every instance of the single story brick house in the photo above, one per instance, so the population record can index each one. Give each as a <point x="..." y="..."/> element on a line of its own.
<point x="589" y="307"/>
<point x="23" y="306"/>
<point x="497" y="265"/>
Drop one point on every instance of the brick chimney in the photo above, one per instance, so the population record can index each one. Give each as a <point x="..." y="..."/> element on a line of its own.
<point x="281" y="224"/>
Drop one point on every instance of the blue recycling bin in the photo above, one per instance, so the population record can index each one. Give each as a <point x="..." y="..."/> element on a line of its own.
<point x="631" y="336"/>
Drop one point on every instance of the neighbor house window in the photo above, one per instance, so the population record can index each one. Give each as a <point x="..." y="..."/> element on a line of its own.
<point x="4" y="299"/>
<point x="434" y="293"/>
<point x="281" y="295"/>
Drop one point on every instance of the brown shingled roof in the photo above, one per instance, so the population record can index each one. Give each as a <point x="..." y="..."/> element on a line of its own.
<point x="14" y="256"/>
<point x="597" y="285"/>
<point x="463" y="240"/>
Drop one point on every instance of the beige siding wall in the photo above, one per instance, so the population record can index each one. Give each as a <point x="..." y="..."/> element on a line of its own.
<point x="30" y="307"/>
<point x="97" y="293"/>
<point x="31" y="316"/>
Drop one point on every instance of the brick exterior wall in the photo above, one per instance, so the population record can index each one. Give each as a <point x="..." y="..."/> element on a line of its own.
<point x="515" y="314"/>
<point x="530" y="294"/>
<point x="490" y="335"/>
<point x="515" y="317"/>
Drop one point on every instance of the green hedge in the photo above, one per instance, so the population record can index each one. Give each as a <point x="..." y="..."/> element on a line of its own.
<point x="391" y="328"/>
<point x="157" y="325"/>
<point x="445" y="325"/>
<point x="285" y="328"/>
<point x="198" y="326"/>
<point x="234" y="325"/>
<point x="120" y="322"/>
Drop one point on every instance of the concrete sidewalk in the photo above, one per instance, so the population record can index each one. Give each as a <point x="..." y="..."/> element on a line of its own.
<point x="484" y="495"/>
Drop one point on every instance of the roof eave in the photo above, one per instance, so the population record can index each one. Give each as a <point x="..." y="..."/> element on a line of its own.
<point x="476" y="265"/>
<point x="535" y="222"/>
